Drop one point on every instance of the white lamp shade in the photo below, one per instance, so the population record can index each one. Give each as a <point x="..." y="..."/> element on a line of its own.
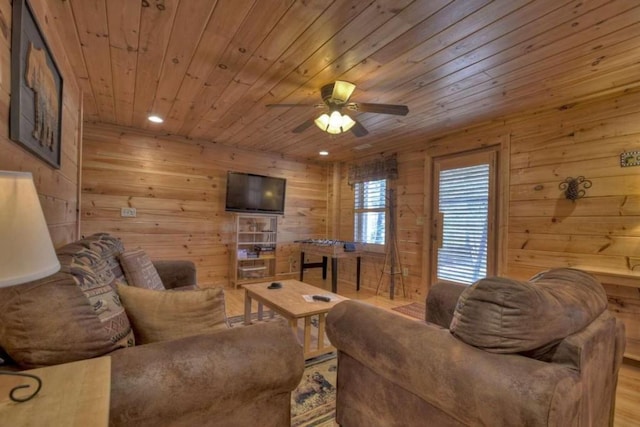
<point x="26" y="250"/>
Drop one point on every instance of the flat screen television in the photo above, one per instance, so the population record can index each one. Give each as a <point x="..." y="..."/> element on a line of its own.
<point x="252" y="193"/>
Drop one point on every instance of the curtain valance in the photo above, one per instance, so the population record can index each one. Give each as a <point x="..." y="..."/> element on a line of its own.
<point x="372" y="170"/>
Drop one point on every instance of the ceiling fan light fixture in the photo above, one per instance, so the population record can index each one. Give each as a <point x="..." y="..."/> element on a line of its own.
<point x="342" y="91"/>
<point x="335" y="123"/>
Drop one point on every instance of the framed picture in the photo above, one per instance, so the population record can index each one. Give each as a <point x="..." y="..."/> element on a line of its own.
<point x="36" y="88"/>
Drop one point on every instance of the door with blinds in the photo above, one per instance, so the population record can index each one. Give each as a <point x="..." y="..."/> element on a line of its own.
<point x="464" y="217"/>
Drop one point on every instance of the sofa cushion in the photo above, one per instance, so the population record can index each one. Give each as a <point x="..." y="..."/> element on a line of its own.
<point x="140" y="271"/>
<point x="96" y="280"/>
<point x="50" y="321"/>
<point x="167" y="315"/>
<point x="109" y="248"/>
<point x="503" y="315"/>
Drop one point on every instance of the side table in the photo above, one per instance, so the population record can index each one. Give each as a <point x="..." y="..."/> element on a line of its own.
<point x="72" y="394"/>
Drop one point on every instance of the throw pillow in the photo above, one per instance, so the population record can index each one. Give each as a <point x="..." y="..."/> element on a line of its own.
<point x="165" y="315"/>
<point x="94" y="277"/>
<point x="109" y="248"/>
<point x="140" y="271"/>
<point x="503" y="315"/>
<point x="50" y="321"/>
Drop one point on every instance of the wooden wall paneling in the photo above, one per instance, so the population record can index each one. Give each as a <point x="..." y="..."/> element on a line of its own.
<point x="57" y="188"/>
<point x="178" y="187"/>
<point x="597" y="233"/>
<point x="504" y="202"/>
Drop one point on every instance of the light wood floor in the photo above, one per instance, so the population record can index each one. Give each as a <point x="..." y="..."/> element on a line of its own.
<point x="628" y="393"/>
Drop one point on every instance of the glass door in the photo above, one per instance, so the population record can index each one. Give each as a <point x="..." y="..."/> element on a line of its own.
<point x="464" y="217"/>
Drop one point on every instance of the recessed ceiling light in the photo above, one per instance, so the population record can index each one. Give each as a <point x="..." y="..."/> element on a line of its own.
<point x="155" y="119"/>
<point x="324" y="153"/>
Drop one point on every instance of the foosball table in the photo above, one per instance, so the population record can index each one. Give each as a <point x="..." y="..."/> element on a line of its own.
<point x="334" y="249"/>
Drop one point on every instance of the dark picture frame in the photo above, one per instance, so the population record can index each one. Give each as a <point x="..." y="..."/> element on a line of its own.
<point x="36" y="88"/>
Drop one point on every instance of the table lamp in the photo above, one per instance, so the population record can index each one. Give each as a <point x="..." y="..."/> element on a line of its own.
<point x="26" y="249"/>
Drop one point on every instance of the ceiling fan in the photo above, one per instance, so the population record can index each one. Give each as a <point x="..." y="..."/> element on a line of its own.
<point x="336" y="98"/>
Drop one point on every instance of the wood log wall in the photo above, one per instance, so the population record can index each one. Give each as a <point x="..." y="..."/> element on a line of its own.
<point x="539" y="228"/>
<point x="178" y="188"/>
<point x="57" y="188"/>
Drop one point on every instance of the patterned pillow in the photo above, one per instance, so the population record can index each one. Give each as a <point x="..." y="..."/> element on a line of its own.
<point x="94" y="277"/>
<point x="109" y="248"/>
<point x="166" y="315"/>
<point x="140" y="271"/>
<point x="49" y="322"/>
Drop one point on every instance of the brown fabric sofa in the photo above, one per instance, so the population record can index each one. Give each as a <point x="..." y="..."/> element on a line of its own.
<point x="231" y="377"/>
<point x="394" y="371"/>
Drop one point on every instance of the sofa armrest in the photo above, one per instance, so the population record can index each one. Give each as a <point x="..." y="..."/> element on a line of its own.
<point x="195" y="380"/>
<point x="176" y="274"/>
<point x="470" y="385"/>
<point x="441" y="302"/>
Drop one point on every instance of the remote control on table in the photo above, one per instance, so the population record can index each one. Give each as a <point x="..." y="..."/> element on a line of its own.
<point x="321" y="298"/>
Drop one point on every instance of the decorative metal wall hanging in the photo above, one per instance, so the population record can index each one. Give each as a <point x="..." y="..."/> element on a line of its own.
<point x="574" y="188"/>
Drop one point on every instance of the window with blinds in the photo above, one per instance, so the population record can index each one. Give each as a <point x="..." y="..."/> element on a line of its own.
<point x="369" y="211"/>
<point x="464" y="205"/>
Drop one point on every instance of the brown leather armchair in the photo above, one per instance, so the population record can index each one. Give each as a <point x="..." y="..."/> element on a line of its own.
<point x="539" y="353"/>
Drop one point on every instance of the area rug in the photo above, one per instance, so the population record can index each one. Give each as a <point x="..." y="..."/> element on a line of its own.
<point x="415" y="309"/>
<point x="313" y="402"/>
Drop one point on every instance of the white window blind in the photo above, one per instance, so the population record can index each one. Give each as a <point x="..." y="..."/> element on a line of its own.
<point x="464" y="203"/>
<point x="369" y="211"/>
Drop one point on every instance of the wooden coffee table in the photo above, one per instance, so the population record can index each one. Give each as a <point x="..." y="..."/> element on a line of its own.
<point x="288" y="301"/>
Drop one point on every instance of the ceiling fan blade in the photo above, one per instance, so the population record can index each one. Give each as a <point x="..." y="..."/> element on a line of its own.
<point x="363" y="107"/>
<point x="342" y="91"/>
<point x="359" y="130"/>
<point x="292" y="105"/>
<point x="303" y="126"/>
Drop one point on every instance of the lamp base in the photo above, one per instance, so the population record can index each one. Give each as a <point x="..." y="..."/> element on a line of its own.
<point x="12" y="393"/>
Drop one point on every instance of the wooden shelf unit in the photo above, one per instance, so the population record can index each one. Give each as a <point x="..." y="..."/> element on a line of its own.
<point x="253" y="258"/>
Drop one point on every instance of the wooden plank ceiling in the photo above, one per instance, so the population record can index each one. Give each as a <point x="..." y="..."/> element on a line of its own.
<point x="210" y="67"/>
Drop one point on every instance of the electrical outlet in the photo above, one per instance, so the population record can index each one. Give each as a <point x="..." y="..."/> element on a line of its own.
<point x="405" y="271"/>
<point x="128" y="212"/>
